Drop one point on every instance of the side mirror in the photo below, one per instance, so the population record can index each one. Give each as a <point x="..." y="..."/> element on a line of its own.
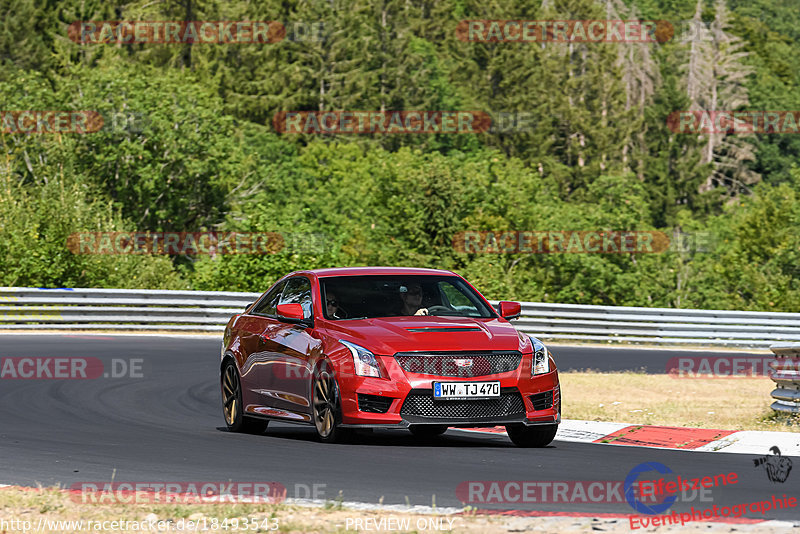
<point x="248" y="306"/>
<point x="293" y="312"/>
<point x="510" y="310"/>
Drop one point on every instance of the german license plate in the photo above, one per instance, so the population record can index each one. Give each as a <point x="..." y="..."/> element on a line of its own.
<point x="466" y="390"/>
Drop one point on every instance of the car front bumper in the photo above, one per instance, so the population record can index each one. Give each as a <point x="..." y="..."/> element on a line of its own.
<point x="408" y="400"/>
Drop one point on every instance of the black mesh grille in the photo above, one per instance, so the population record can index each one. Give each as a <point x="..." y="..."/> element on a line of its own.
<point x="374" y="403"/>
<point x="420" y="402"/>
<point x="542" y="401"/>
<point x="455" y="364"/>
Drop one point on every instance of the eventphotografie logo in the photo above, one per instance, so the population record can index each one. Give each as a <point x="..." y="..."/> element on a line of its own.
<point x="632" y="484"/>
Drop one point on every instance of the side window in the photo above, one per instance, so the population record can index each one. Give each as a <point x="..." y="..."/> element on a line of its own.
<point x="298" y="291"/>
<point x="456" y="297"/>
<point x="269" y="302"/>
<point x="459" y="300"/>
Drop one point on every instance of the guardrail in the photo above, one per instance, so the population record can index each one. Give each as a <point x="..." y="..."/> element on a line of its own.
<point x="125" y="309"/>
<point x="658" y="325"/>
<point x="786" y="377"/>
<point x="119" y="309"/>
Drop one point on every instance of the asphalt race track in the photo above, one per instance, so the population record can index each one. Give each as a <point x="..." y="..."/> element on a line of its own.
<point x="165" y="424"/>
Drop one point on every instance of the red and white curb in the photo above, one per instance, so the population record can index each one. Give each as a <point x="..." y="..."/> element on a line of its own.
<point x="671" y="437"/>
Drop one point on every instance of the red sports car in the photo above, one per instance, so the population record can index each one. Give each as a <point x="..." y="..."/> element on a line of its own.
<point x="385" y="347"/>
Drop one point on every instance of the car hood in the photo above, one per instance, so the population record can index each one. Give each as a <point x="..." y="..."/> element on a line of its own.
<point x="388" y="335"/>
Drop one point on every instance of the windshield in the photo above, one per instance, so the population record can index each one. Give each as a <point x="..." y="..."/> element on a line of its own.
<point x="362" y="297"/>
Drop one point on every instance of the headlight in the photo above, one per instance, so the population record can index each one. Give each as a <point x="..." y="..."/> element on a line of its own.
<point x="541" y="358"/>
<point x="366" y="364"/>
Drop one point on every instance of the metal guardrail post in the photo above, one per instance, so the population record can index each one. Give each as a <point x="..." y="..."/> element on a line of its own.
<point x="786" y="377"/>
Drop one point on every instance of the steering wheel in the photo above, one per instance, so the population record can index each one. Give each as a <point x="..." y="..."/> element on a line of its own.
<point x="440" y="310"/>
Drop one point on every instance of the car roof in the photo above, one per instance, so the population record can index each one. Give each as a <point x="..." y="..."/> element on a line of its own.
<point x="355" y="271"/>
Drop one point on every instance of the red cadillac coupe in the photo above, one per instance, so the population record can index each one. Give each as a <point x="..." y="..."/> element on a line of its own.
<point x="385" y="347"/>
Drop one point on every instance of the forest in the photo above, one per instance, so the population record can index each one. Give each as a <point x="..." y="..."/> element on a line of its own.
<point x="578" y="140"/>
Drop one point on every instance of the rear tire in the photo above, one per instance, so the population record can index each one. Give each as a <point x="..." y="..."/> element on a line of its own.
<point x="232" y="408"/>
<point x="531" y="436"/>
<point x="427" y="431"/>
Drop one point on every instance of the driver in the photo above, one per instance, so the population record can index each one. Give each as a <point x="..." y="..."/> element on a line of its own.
<point x="332" y="306"/>
<point x="411" y="299"/>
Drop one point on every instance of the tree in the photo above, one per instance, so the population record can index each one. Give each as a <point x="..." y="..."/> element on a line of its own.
<point x="715" y="82"/>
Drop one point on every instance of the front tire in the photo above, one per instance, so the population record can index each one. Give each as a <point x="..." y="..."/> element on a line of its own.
<point x="533" y="436"/>
<point x="232" y="407"/>
<point x="326" y="406"/>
